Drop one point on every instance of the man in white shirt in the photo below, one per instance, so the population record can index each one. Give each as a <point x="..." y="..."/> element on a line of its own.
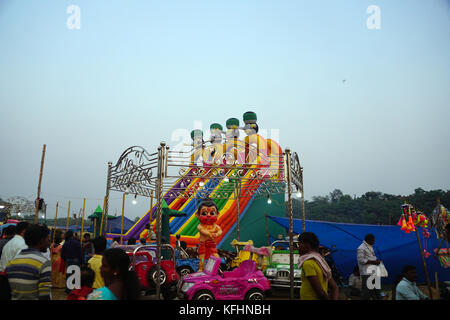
<point x="407" y="288"/>
<point x="366" y="258"/>
<point x="14" y="246"/>
<point x="10" y="250"/>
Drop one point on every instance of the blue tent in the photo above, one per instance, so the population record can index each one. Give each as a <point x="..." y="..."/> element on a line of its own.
<point x="393" y="246"/>
<point x="114" y="225"/>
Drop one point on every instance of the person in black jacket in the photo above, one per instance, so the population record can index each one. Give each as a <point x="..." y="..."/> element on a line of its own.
<point x="71" y="253"/>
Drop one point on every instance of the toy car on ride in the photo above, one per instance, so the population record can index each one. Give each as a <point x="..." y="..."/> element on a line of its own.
<point x="186" y="264"/>
<point x="244" y="282"/>
<point x="278" y="270"/>
<point x="143" y="261"/>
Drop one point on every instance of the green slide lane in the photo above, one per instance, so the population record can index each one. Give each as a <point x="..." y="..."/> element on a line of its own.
<point x="227" y="187"/>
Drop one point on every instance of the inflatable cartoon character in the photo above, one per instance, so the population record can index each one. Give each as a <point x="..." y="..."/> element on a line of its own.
<point x="207" y="214"/>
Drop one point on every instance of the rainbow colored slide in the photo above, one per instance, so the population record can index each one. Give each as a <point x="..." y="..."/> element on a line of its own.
<point x="186" y="226"/>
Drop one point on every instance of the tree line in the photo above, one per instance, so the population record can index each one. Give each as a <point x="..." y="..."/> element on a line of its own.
<point x="370" y="208"/>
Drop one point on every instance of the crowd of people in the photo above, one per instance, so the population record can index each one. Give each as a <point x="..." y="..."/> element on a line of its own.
<point x="318" y="282"/>
<point x="30" y="266"/>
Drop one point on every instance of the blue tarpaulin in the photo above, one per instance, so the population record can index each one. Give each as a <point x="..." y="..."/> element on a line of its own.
<point x="392" y="245"/>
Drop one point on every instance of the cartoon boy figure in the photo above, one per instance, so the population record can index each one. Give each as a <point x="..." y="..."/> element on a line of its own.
<point x="207" y="214"/>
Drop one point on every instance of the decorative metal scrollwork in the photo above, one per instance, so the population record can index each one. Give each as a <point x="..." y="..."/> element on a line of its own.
<point x="296" y="172"/>
<point x="133" y="172"/>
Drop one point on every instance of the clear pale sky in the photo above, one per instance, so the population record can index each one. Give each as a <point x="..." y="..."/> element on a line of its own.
<point x="136" y="71"/>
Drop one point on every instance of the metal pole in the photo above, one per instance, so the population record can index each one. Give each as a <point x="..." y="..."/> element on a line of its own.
<point x="123" y="213"/>
<point x="68" y="217"/>
<point x="159" y="182"/>
<point x="56" y="218"/>
<point x="424" y="264"/>
<point x="237" y="195"/>
<point x="267" y="229"/>
<point x="36" y="214"/>
<point x="291" y="237"/>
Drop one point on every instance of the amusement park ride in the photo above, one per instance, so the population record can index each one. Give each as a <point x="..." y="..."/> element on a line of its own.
<point x="226" y="169"/>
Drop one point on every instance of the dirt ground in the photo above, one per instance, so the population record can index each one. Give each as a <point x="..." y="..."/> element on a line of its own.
<point x="58" y="294"/>
<point x="279" y="294"/>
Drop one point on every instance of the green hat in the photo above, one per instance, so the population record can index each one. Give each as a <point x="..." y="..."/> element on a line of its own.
<point x="216" y="126"/>
<point x="232" y="123"/>
<point x="196" y="133"/>
<point x="250" y="117"/>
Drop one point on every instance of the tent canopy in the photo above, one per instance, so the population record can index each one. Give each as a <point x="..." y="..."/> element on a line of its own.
<point x="393" y="246"/>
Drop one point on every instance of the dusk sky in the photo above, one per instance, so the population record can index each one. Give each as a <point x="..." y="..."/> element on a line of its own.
<point x="366" y="108"/>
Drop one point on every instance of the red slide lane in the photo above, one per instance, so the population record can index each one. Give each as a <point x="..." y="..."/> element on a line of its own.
<point x="228" y="219"/>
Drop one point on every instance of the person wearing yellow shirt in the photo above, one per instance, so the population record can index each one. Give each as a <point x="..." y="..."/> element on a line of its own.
<point x="317" y="281"/>
<point x="146" y="234"/>
<point x="96" y="261"/>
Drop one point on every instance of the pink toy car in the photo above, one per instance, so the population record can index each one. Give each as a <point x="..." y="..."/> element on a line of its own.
<point x="244" y="282"/>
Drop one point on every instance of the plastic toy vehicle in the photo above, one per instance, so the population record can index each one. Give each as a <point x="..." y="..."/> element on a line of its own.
<point x="143" y="261"/>
<point x="186" y="264"/>
<point x="244" y="282"/>
<point x="242" y="255"/>
<point x="279" y="267"/>
<point x="262" y="255"/>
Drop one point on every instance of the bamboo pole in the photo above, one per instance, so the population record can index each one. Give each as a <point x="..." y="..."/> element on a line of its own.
<point x="150" y="219"/>
<point x="68" y="217"/>
<point x="36" y="215"/>
<point x="123" y="213"/>
<point x="424" y="264"/>
<point x="106" y="206"/>
<point x="82" y="222"/>
<point x="54" y="227"/>
<point x="103" y="214"/>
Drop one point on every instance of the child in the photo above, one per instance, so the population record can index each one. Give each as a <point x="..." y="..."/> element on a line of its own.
<point x="96" y="261"/>
<point x="87" y="279"/>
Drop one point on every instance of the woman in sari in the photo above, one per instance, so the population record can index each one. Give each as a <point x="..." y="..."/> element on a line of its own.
<point x="58" y="274"/>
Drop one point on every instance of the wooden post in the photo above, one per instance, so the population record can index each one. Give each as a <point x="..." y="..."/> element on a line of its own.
<point x="424" y="264"/>
<point x="68" y="217"/>
<point x="123" y="213"/>
<point x="54" y="227"/>
<point x="36" y="215"/>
